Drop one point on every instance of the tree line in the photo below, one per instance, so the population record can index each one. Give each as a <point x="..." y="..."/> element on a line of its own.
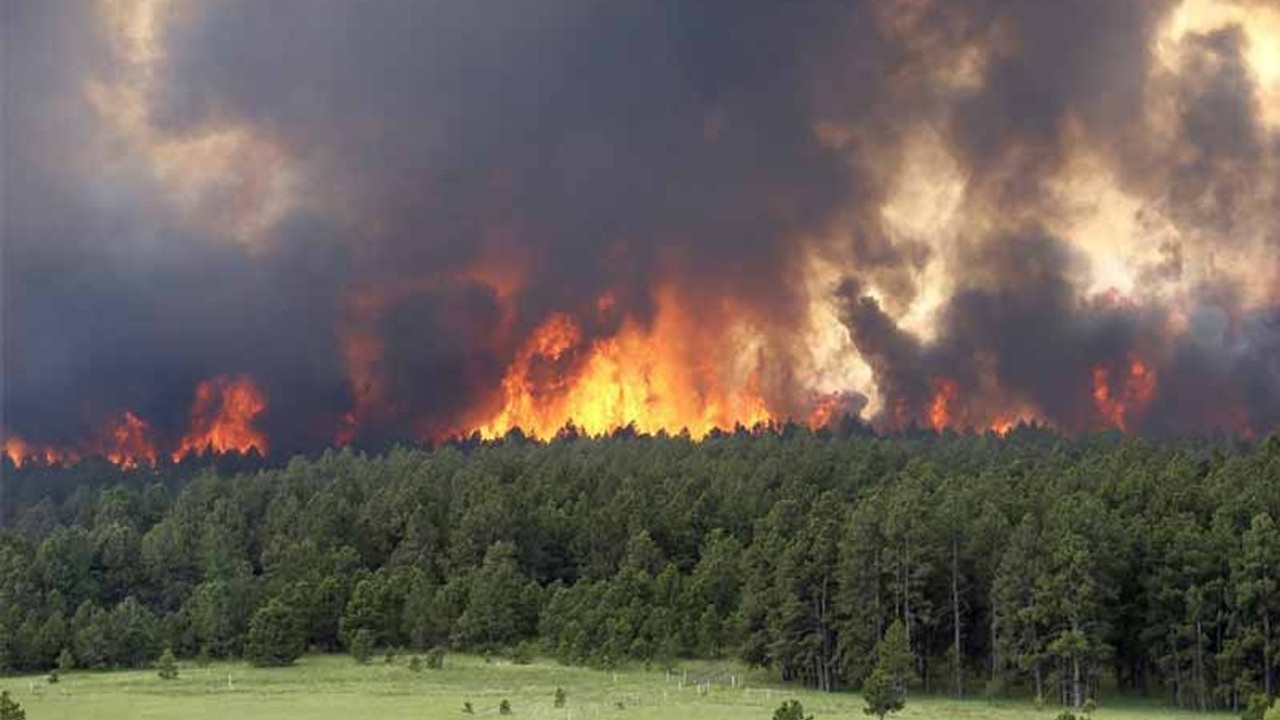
<point x="1033" y="565"/>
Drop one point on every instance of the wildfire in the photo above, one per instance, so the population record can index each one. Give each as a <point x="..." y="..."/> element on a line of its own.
<point x="945" y="392"/>
<point x="19" y="451"/>
<point x="127" y="441"/>
<point x="1121" y="397"/>
<point x="652" y="378"/>
<point x="222" y="417"/>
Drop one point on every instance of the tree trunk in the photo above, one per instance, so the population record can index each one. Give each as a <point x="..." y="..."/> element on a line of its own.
<point x="957" y="670"/>
<point x="1268" y="672"/>
<point x="1201" y="701"/>
<point x="1077" y="690"/>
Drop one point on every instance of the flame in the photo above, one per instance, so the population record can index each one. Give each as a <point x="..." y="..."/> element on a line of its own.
<point x="127" y="441"/>
<point x="825" y="410"/>
<point x="654" y="378"/>
<point x="222" y="417"/>
<point x="19" y="452"/>
<point x="1123" y="396"/>
<point x="945" y="392"/>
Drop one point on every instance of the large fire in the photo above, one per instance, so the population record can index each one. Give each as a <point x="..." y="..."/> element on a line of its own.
<point x="127" y="441"/>
<point x="652" y="378"/>
<point x="1122" y="394"/>
<point x="223" y="416"/>
<point x="945" y="391"/>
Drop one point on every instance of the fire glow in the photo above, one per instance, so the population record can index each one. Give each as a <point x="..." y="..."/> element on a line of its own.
<point x="222" y="418"/>
<point x="647" y="378"/>
<point x="1122" y="394"/>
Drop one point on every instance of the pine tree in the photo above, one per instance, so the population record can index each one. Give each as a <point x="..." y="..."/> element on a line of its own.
<point x="66" y="661"/>
<point x="885" y="691"/>
<point x="167" y="666"/>
<point x="275" y="636"/>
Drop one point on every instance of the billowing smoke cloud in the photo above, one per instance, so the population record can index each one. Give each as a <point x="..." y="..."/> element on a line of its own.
<point x="408" y="219"/>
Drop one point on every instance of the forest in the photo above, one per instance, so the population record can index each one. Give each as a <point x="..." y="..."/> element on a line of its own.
<point x="1032" y="565"/>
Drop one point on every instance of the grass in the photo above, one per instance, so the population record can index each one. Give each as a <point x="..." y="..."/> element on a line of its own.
<point x="334" y="687"/>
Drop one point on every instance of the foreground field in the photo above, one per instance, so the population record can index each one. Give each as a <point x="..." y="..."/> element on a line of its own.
<point x="324" y="687"/>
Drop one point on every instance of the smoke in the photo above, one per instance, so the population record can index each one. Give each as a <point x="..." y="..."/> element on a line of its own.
<point x="373" y="209"/>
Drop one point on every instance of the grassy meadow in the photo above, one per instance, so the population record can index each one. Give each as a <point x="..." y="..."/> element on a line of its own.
<point x="335" y="688"/>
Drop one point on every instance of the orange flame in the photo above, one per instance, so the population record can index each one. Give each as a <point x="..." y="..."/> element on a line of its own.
<point x="127" y="441"/>
<point x="651" y="378"/>
<point x="945" y="392"/>
<point x="1122" y="397"/>
<point x="222" y="417"/>
<point x="19" y="452"/>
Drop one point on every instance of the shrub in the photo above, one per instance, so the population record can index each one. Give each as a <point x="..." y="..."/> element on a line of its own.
<point x="435" y="658"/>
<point x="467" y="709"/>
<point x="1257" y="707"/>
<point x="362" y="646"/>
<point x="504" y="707"/>
<point x="1066" y="715"/>
<point x="522" y="654"/>
<point x="389" y="658"/>
<point x="53" y="677"/>
<point x="276" y="637"/>
<point x="167" y="665"/>
<point x="560" y="697"/>
<point x="791" y="710"/>
<point x="9" y="708"/>
<point x="1090" y="706"/>
<point x="415" y="664"/>
<point x="66" y="661"/>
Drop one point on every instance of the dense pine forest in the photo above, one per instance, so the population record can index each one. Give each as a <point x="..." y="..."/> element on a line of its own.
<point x="1024" y="566"/>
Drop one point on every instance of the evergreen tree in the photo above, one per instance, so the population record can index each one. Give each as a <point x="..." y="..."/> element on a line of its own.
<point x="276" y="637"/>
<point x="362" y="646"/>
<point x="66" y="661"/>
<point x="885" y="691"/>
<point x="167" y="665"/>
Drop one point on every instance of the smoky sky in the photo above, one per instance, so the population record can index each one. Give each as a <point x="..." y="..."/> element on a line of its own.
<point x="590" y="148"/>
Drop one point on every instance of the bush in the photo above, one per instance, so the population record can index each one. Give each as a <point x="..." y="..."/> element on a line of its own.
<point x="435" y="658"/>
<point x="560" y="697"/>
<point x="1273" y="713"/>
<point x="1257" y="707"/>
<point x="1066" y="715"/>
<point x="415" y="664"/>
<point x="522" y="654"/>
<point x="276" y="637"/>
<point x="504" y="707"/>
<point x="53" y="677"/>
<point x="1090" y="706"/>
<point x="362" y="646"/>
<point x="66" y="661"/>
<point x="791" y="710"/>
<point x="9" y="708"/>
<point x="167" y="665"/>
<point x="467" y="709"/>
<point x="389" y="658"/>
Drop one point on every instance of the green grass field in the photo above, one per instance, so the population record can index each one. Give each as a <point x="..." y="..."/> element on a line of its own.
<point x="334" y="687"/>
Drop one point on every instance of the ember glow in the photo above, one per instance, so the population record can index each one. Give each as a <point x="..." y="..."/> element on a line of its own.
<point x="943" y="214"/>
